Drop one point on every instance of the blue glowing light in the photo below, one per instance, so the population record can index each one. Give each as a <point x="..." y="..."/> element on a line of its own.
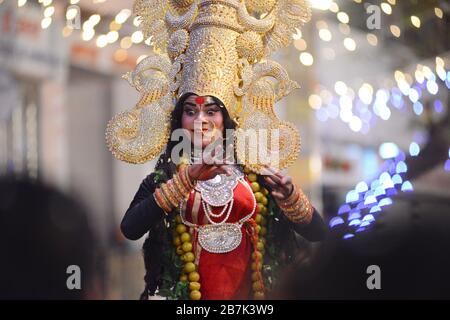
<point x="335" y="222"/>
<point x="438" y="106"/>
<point x="418" y="108"/>
<point x="344" y="209"/>
<point x="354" y="215"/>
<point x="348" y="236"/>
<point x="432" y="87"/>
<point x="414" y="149"/>
<point x="413" y="95"/>
<point x="385" y="202"/>
<point x="391" y="192"/>
<point x="354" y="222"/>
<point x="370" y="200"/>
<point x="379" y="192"/>
<point x="375" y="184"/>
<point x="362" y="186"/>
<point x="397" y="179"/>
<point x="352" y="196"/>
<point x="401" y="156"/>
<point x="375" y="209"/>
<point x="368" y="217"/>
<point x="401" y="167"/>
<point x="388" y="150"/>
<point x="365" y="223"/>
<point x="447" y="165"/>
<point x="407" y="186"/>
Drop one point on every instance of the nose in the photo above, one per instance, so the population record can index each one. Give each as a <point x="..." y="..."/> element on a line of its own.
<point x="201" y="118"/>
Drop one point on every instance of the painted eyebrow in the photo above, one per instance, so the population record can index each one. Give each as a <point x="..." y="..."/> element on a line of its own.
<point x="206" y="105"/>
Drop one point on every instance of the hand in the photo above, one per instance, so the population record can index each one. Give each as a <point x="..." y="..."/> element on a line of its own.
<point x="281" y="184"/>
<point x="212" y="166"/>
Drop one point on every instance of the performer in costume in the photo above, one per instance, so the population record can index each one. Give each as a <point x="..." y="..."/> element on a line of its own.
<point x="215" y="230"/>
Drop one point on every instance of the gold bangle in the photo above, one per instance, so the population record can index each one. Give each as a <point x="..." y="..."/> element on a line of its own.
<point x="169" y="195"/>
<point x="292" y="199"/>
<point x="191" y="183"/>
<point x="303" y="214"/>
<point x="300" y="211"/>
<point x="179" y="186"/>
<point x="176" y="194"/>
<point x="161" y="201"/>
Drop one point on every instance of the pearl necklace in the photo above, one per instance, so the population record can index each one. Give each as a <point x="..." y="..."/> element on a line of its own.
<point x="220" y="237"/>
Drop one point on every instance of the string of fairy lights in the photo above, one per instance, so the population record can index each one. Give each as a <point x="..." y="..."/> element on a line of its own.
<point x="127" y="40"/>
<point x="358" y="107"/>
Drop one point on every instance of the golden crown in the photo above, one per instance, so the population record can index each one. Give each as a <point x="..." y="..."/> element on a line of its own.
<point x="217" y="48"/>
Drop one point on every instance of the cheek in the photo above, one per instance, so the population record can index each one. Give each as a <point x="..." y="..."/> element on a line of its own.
<point x="218" y="121"/>
<point x="187" y="122"/>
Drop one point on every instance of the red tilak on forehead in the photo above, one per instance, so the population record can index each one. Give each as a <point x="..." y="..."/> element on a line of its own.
<point x="200" y="100"/>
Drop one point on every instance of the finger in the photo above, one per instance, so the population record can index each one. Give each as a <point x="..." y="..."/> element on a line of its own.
<point x="276" y="179"/>
<point x="270" y="181"/>
<point x="277" y="195"/>
<point x="286" y="183"/>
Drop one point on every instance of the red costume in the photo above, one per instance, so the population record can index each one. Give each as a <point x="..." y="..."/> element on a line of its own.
<point x="224" y="275"/>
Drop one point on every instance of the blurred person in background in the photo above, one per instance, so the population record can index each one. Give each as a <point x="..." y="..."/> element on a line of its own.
<point x="44" y="233"/>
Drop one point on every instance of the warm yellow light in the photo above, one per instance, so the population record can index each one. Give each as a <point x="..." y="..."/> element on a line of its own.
<point x="112" y="36"/>
<point x="120" y="55"/>
<point x="344" y="28"/>
<point x="438" y="12"/>
<point x="343" y="17"/>
<point x="386" y="7"/>
<point x="88" y="34"/>
<point x="325" y="34"/>
<point x="49" y="11"/>
<point x="415" y="21"/>
<point x="71" y="13"/>
<point x="21" y="3"/>
<point x="126" y="43"/>
<point x="94" y="19"/>
<point x="123" y="16"/>
<point x="114" y="26"/>
<point x="67" y="31"/>
<point x="321" y="4"/>
<point x="340" y="87"/>
<point x="137" y="37"/>
<point x="46" y="22"/>
<point x="306" y="59"/>
<point x="300" y="45"/>
<point x="372" y="39"/>
<point x="102" y="41"/>
<point x="349" y="44"/>
<point x="365" y="93"/>
<point x="395" y="30"/>
<point x="315" y="101"/>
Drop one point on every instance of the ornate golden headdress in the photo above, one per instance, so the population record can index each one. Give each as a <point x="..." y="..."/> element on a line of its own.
<point x="217" y="48"/>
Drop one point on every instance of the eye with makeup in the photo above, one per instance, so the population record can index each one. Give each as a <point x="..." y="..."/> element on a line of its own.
<point x="210" y="110"/>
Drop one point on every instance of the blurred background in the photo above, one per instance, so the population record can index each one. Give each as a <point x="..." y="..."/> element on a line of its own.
<point x="373" y="112"/>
